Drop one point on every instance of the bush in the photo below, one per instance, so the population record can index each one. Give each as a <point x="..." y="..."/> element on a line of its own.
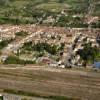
<point x="19" y="92"/>
<point x="45" y="46"/>
<point x="22" y="33"/>
<point x="5" y="43"/>
<point x="16" y="60"/>
<point x="89" y="54"/>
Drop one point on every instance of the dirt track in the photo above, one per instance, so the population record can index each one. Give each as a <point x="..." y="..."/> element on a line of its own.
<point x="47" y="81"/>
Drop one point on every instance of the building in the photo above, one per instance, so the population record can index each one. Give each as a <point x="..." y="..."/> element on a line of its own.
<point x="96" y="65"/>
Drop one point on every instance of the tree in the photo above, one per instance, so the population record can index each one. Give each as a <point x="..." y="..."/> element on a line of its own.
<point x="89" y="54"/>
<point x="61" y="1"/>
<point x="4" y="2"/>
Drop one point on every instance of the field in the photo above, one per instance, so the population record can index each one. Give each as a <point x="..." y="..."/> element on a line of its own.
<point x="45" y="82"/>
<point x="72" y="4"/>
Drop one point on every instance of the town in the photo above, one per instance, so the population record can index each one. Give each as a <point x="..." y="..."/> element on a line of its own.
<point x="49" y="49"/>
<point x="31" y="43"/>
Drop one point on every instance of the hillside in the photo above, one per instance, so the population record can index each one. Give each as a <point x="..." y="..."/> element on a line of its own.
<point x="65" y="13"/>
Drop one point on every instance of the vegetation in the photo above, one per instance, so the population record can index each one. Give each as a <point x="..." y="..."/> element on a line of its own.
<point x="45" y="46"/>
<point x="5" y="43"/>
<point x="31" y="11"/>
<point x="70" y="21"/>
<point x="16" y="60"/>
<point x="37" y="95"/>
<point x="41" y="47"/>
<point x="95" y="24"/>
<point x="22" y="33"/>
<point x="89" y="54"/>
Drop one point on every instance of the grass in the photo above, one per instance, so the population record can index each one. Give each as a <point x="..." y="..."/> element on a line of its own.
<point x="20" y="3"/>
<point x="48" y="4"/>
<point x="18" y="92"/>
<point x="55" y="7"/>
<point x="16" y="60"/>
<point x="4" y="43"/>
<point x="21" y="33"/>
<point x="97" y="10"/>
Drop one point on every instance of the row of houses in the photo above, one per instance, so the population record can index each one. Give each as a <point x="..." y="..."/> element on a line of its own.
<point x="52" y="35"/>
<point x="79" y="42"/>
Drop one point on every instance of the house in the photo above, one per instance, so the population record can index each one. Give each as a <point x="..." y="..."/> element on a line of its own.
<point x="53" y="64"/>
<point x="44" y="60"/>
<point x="96" y="65"/>
<point x="3" y="58"/>
<point x="62" y="66"/>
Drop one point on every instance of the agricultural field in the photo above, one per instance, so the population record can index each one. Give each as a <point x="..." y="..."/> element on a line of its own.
<point x="53" y="84"/>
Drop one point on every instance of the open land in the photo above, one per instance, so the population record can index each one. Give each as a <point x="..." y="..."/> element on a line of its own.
<point x="83" y="85"/>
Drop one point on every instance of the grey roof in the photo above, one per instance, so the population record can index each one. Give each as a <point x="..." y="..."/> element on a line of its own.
<point x="97" y="64"/>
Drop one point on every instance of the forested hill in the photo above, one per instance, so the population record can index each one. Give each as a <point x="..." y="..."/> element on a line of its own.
<point x="65" y="13"/>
